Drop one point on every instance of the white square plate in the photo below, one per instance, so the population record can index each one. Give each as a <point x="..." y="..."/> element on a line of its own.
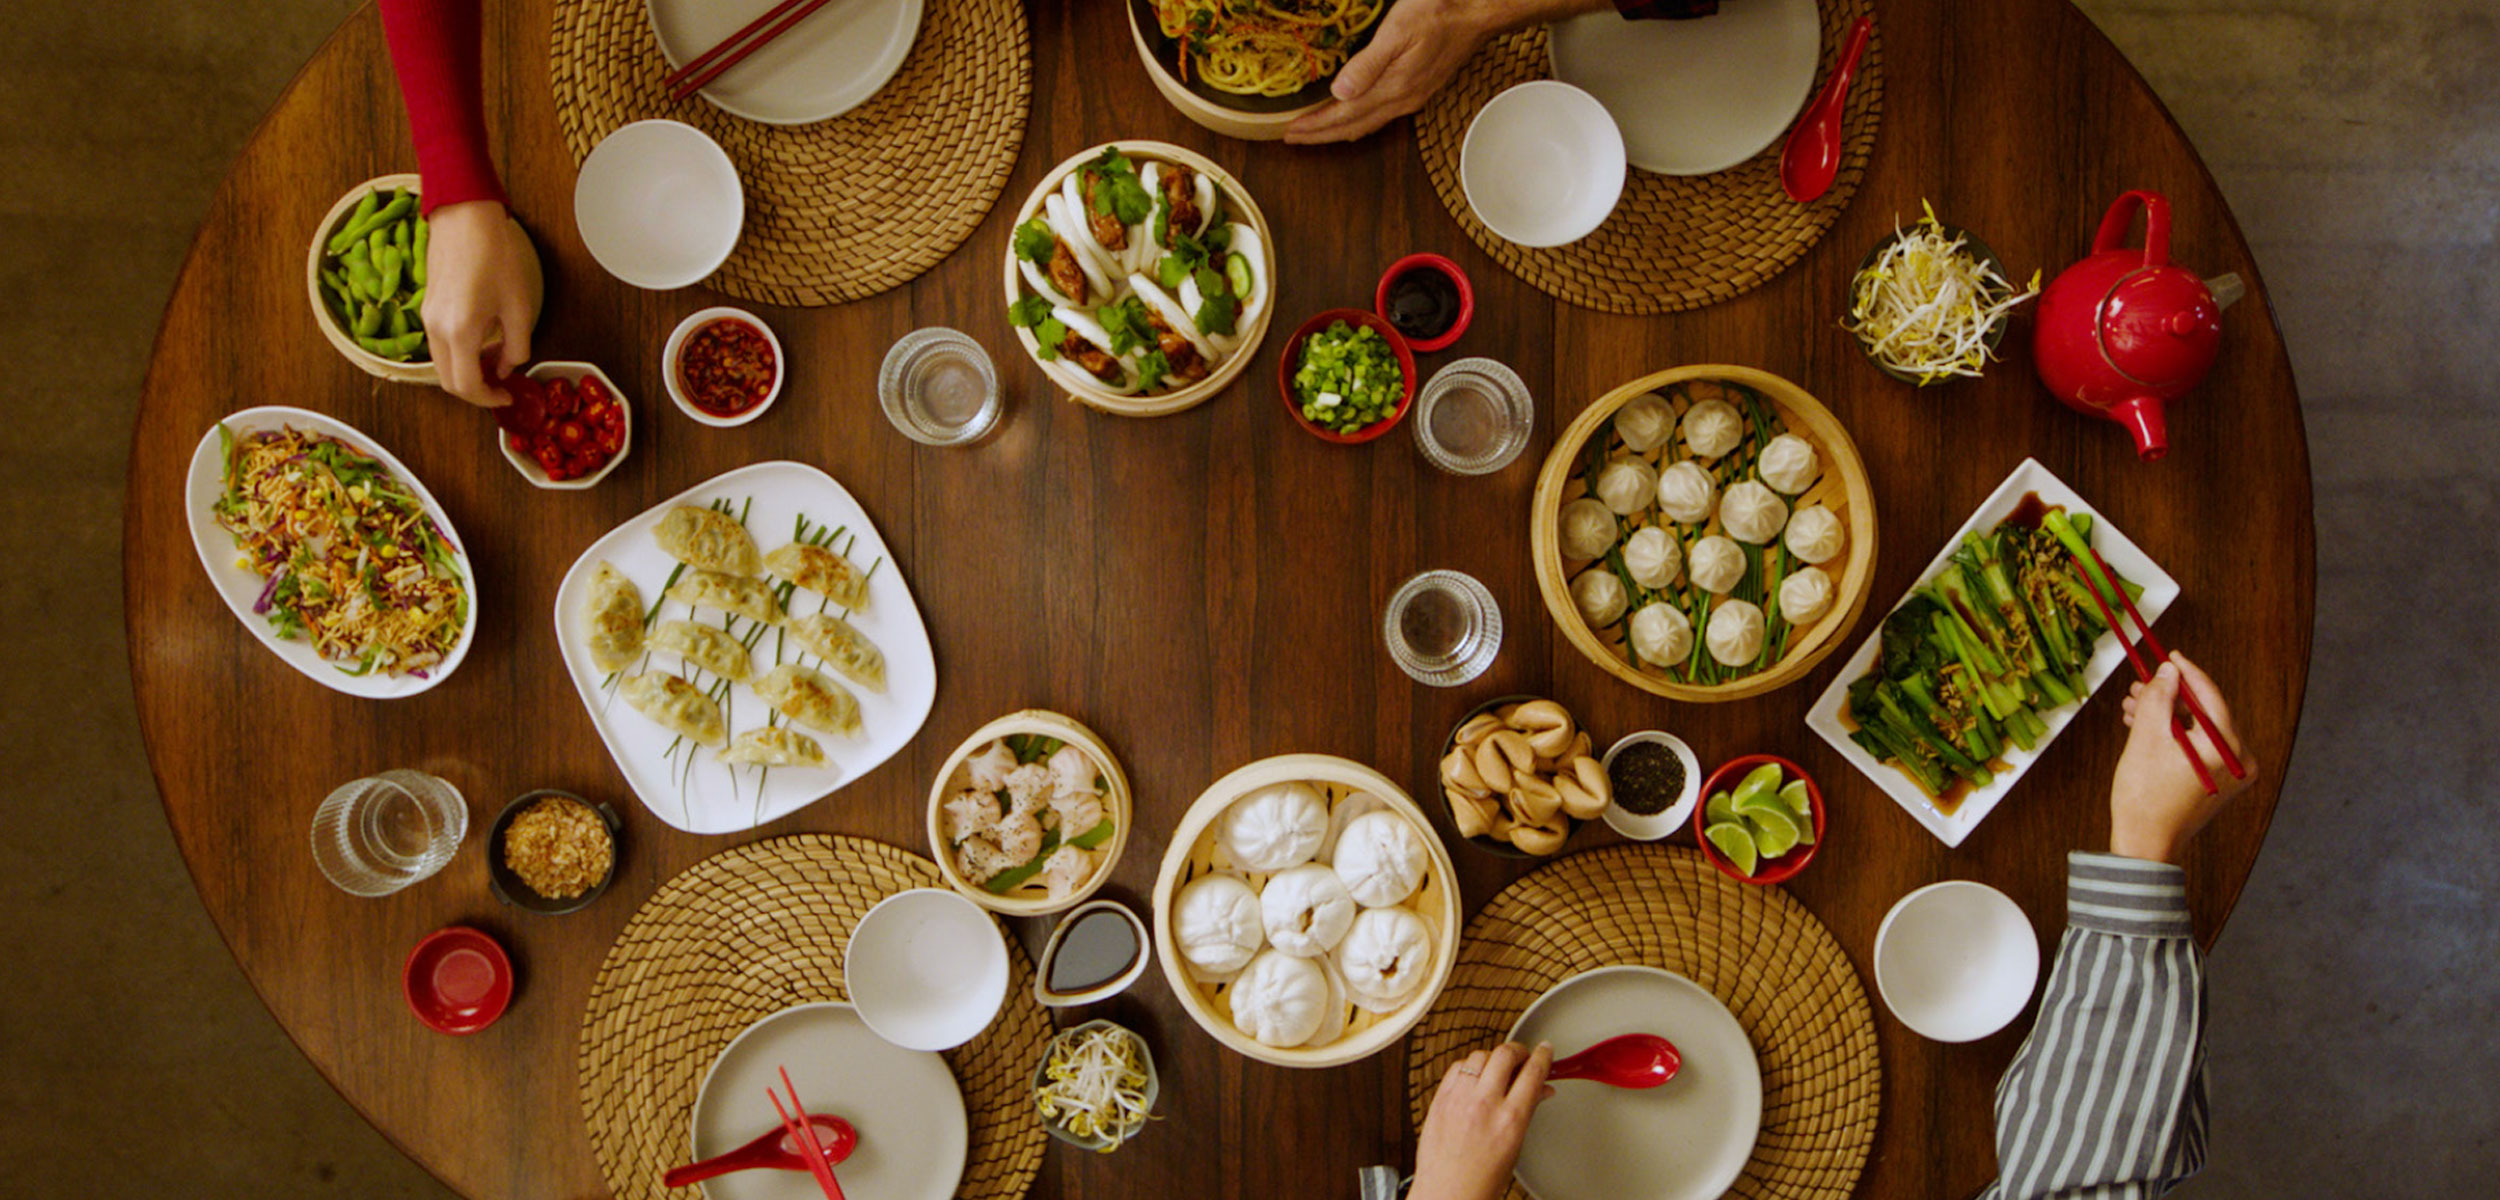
<point x="2108" y="657"/>
<point x="710" y="797"/>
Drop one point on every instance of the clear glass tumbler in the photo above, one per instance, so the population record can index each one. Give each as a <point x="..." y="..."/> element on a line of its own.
<point x="938" y="387"/>
<point x="1473" y="417"/>
<point x="379" y="834"/>
<point x="1442" y="627"/>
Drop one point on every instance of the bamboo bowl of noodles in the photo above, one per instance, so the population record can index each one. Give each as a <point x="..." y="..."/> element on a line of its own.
<point x="1271" y="69"/>
<point x="1788" y="652"/>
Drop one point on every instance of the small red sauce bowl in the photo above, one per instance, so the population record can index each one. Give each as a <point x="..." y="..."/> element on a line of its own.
<point x="1291" y="359"/>
<point x="1436" y="263"/>
<point x="675" y="378"/>
<point x="1778" y="870"/>
<point x="458" y="980"/>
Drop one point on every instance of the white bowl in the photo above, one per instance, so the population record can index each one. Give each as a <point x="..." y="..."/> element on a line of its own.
<point x="1542" y="164"/>
<point x="529" y="468"/>
<point x="1676" y="815"/>
<point x="926" y="968"/>
<point x="1105" y="990"/>
<point x="677" y="343"/>
<point x="1956" y="960"/>
<point x="659" y="204"/>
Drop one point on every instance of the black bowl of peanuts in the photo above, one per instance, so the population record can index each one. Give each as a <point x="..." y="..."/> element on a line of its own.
<point x="552" y="852"/>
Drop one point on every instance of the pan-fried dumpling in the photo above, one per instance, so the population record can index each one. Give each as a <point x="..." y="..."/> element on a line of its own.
<point x="1652" y="558"/>
<point x="705" y="646"/>
<point x="821" y="571"/>
<point x="1712" y="428"/>
<point x="1588" y="528"/>
<point x="612" y="615"/>
<point x="774" y="746"/>
<point x="1716" y="565"/>
<point x="707" y="538"/>
<point x="1686" y="493"/>
<point x="676" y="705"/>
<point x="1600" y="596"/>
<point x="1789" y="463"/>
<point x="843" y="648"/>
<point x="1735" y="633"/>
<point x="1280" y="999"/>
<point x="1384" y="958"/>
<point x="1644" y="423"/>
<point x="1815" y="534"/>
<point x="1752" y="513"/>
<point x="1662" y="635"/>
<point x="804" y="695"/>
<point x="740" y="595"/>
<point x="1805" y="595"/>
<point x="1626" y="485"/>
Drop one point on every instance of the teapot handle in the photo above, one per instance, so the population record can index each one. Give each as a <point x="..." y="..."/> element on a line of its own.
<point x="2121" y="215"/>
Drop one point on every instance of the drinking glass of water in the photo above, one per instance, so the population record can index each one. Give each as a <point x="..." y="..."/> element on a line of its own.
<point x="1473" y="417"/>
<point x="1442" y="627"/>
<point x="937" y="386"/>
<point x="379" y="834"/>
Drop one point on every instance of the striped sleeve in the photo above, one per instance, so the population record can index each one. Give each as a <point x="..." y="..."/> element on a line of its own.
<point x="2107" y="1096"/>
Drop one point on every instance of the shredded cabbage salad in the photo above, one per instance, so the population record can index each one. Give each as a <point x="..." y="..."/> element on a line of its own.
<point x="1927" y="304"/>
<point x="1094" y="1084"/>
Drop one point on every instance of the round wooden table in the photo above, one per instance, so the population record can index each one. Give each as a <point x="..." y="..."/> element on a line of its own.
<point x="1204" y="589"/>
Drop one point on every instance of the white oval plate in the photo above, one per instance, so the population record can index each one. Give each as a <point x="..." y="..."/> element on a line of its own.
<point x="1686" y="1140"/>
<point x="710" y="798"/>
<point x="241" y="587"/>
<point x="913" y="1136"/>
<point x="828" y="64"/>
<point x="1695" y="97"/>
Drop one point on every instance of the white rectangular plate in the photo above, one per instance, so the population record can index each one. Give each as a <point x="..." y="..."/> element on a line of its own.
<point x="2107" y="657"/>
<point x="711" y="798"/>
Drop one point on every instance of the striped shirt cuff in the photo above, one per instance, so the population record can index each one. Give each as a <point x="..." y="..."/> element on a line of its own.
<point x="2110" y="893"/>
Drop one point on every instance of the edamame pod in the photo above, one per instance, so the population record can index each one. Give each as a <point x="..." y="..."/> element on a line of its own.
<point x="397" y="349"/>
<point x="368" y="320"/>
<point x="415" y="303"/>
<point x="416" y="265"/>
<point x="399" y="235"/>
<point x="370" y="221"/>
<point x="388" y="260"/>
<point x="394" y="318"/>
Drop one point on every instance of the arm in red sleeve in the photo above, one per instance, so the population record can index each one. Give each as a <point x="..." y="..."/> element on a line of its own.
<point x="434" y="48"/>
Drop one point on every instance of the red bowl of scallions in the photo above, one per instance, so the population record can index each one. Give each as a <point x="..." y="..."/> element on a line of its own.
<point x="1346" y="376"/>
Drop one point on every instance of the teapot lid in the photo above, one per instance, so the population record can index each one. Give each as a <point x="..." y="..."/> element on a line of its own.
<point x="2160" y="326"/>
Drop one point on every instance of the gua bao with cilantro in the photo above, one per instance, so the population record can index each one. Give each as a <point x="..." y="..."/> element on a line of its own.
<point x="1138" y="275"/>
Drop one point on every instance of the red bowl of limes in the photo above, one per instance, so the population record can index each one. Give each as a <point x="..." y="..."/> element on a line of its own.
<point x="1752" y="805"/>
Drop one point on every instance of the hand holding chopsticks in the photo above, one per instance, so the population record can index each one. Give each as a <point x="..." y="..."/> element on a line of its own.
<point x="2159" y="799"/>
<point x="2099" y="581"/>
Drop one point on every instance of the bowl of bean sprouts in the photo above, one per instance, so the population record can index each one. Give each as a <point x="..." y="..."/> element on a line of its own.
<point x="1931" y="302"/>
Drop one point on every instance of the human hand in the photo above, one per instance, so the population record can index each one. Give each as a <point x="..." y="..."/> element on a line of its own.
<point x="478" y="281"/>
<point x="1419" y="45"/>
<point x="2156" y="803"/>
<point x="1479" y="1117"/>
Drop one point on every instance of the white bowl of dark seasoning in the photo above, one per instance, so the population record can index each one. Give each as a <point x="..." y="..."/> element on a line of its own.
<point x="573" y="372"/>
<point x="1650" y="827"/>
<point x="683" y="388"/>
<point x="1094" y="953"/>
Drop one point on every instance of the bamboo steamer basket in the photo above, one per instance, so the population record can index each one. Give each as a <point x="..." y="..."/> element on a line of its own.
<point x="1842" y="488"/>
<point x="1192" y="854"/>
<point x="1117" y="805"/>
<point x="366" y="360"/>
<point x="1231" y="122"/>
<point x="1082" y="388"/>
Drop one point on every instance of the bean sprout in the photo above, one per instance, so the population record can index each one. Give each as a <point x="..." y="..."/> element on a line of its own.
<point x="1927" y="304"/>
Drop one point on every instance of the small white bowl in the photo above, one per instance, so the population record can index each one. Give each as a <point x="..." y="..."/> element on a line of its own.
<point x="1542" y="164"/>
<point x="1677" y="815"/>
<point x="659" y="204"/>
<point x="1956" y="960"/>
<point x="529" y="468"/>
<point x="926" y="968"/>
<point x="677" y="345"/>
<point x="1053" y="998"/>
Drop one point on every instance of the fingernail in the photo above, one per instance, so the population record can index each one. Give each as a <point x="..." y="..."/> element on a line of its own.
<point x="1547" y="1047"/>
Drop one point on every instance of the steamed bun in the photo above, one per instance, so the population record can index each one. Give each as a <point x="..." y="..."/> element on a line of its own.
<point x="1652" y="558"/>
<point x="1815" y="534"/>
<point x="1686" y="493"/>
<point x="1789" y="463"/>
<point x="1644" y="422"/>
<point x="1275" y="827"/>
<point x="1215" y="922"/>
<point x="1384" y="958"/>
<point x="1752" y="513"/>
<point x="1626" y="485"/>
<point x="1661" y="634"/>
<point x="1805" y="595"/>
<point x="1588" y="528"/>
<point x="1735" y="635"/>
<point x="1381" y="859"/>
<point x="1712" y="428"/>
<point x="1306" y="910"/>
<point x="1280" y="999"/>
<point x="1716" y="565"/>
<point x="1600" y="596"/>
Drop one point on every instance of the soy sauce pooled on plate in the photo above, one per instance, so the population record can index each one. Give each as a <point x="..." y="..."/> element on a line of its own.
<point x="1423" y="303"/>
<point x="1095" y="950"/>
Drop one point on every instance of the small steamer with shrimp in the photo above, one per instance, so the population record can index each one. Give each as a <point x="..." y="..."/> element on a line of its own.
<point x="1029" y="814"/>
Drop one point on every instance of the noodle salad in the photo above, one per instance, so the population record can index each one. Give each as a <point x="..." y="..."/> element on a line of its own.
<point x="1265" y="47"/>
<point x="348" y="556"/>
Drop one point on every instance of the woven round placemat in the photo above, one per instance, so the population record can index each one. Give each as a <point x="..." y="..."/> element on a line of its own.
<point x="1674" y="241"/>
<point x="1761" y="953"/>
<point x="740" y="936"/>
<point x="842" y="208"/>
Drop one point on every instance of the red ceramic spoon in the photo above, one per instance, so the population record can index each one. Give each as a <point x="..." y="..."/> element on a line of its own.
<point x="1812" y="158"/>
<point x="773" y="1150"/>
<point x="1633" y="1060"/>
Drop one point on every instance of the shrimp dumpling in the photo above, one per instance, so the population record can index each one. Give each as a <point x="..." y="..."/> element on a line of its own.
<point x="1626" y="486"/>
<point x="1600" y="596"/>
<point x="1712" y="428"/>
<point x="1661" y="634"/>
<point x="843" y="647"/>
<point x="707" y="538"/>
<point x="1652" y="558"/>
<point x="1588" y="528"/>
<point x="1789" y="464"/>
<point x="1735" y="635"/>
<point x="1805" y="595"/>
<point x="1717" y="565"/>
<point x="1644" y="422"/>
<point x="1752" y="513"/>
<point x="804" y="695"/>
<point x="676" y="705"/>
<point x="1815" y="534"/>
<point x="1686" y="493"/>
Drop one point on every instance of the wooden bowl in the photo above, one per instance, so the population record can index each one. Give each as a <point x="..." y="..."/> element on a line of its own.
<point x="1116" y="805"/>
<point x="1191" y="854"/>
<point x="1077" y="384"/>
<point x="365" y="360"/>
<point x="1248" y="124"/>
<point x="1843" y="488"/>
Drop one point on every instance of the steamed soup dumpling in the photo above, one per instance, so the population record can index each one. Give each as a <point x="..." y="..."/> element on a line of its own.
<point x="1600" y="596"/>
<point x="1789" y="463"/>
<point x="1588" y="528"/>
<point x="1275" y="827"/>
<point x="1384" y="958"/>
<point x="1661" y="634"/>
<point x="1644" y="423"/>
<point x="1652" y="558"/>
<point x="1805" y="595"/>
<point x="1712" y="428"/>
<point x="1626" y="486"/>
<point x="1280" y="999"/>
<point x="1815" y="534"/>
<point x="1752" y="513"/>
<point x="1381" y="859"/>
<point x="1735" y="633"/>
<point x="1306" y="910"/>
<point x="1215" y="922"/>
<point x="1686" y="493"/>
<point x="1716" y="565"/>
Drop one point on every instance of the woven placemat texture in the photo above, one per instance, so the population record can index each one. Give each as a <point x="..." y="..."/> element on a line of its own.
<point x="1674" y="242"/>
<point x="1760" y="952"/>
<point x="740" y="936"/>
<point x="843" y="208"/>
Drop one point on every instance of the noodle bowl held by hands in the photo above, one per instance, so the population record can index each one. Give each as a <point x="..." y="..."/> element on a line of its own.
<point x="1264" y="47"/>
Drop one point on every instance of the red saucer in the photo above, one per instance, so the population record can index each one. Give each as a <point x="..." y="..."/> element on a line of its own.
<point x="458" y="980"/>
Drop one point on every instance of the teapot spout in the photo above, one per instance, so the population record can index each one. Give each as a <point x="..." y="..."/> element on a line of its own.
<point x="2143" y="417"/>
<point x="2227" y="290"/>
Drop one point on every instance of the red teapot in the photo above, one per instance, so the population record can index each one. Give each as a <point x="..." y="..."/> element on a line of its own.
<point x="2125" y="331"/>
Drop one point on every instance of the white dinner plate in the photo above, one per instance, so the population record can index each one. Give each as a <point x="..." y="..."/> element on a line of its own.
<point x="710" y="797"/>
<point x="241" y="587"/>
<point x="2124" y="556"/>
<point x="828" y="64"/>
<point x="1687" y="1139"/>
<point x="913" y="1136"/>
<point x="1698" y="96"/>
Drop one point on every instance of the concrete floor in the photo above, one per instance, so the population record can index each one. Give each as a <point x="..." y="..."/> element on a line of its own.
<point x="2353" y="1014"/>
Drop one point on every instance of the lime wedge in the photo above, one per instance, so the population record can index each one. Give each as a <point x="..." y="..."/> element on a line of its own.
<point x="1763" y="780"/>
<point x="1774" y="832"/>
<point x="1735" y="843"/>
<point x="1719" y="809"/>
<point x="1794" y="795"/>
<point x="1763" y="802"/>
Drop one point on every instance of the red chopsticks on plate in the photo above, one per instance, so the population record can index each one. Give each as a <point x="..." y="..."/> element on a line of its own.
<point x="2144" y="671"/>
<point x="701" y="70"/>
<point x="803" y="1131"/>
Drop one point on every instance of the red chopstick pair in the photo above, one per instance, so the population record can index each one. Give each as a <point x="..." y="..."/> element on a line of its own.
<point x="803" y="1131"/>
<point x="2144" y="671"/>
<point x="703" y="68"/>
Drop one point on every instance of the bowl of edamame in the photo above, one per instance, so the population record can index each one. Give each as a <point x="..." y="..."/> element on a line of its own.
<point x="365" y="273"/>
